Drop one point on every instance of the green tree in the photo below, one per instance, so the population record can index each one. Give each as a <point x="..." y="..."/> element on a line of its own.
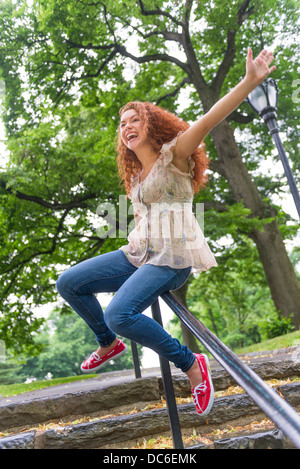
<point x="50" y="193"/>
<point x="67" y="341"/>
<point x="9" y="372"/>
<point x="240" y="303"/>
<point x="67" y="69"/>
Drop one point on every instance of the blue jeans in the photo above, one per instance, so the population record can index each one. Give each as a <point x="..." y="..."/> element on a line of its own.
<point x="136" y="289"/>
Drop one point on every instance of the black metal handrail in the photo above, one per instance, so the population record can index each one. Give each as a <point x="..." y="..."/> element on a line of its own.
<point x="276" y="408"/>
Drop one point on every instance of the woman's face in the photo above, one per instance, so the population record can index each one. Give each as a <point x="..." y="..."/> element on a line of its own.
<point x="132" y="129"/>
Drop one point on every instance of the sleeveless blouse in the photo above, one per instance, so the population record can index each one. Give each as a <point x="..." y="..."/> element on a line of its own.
<point x="166" y="230"/>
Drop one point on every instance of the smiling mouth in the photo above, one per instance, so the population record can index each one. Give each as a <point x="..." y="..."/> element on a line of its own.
<point x="131" y="137"/>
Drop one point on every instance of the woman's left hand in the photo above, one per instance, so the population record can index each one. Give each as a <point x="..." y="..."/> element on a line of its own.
<point x="256" y="71"/>
<point x="259" y="68"/>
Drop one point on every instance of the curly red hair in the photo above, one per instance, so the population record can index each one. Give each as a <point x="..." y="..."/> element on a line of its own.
<point x="161" y="127"/>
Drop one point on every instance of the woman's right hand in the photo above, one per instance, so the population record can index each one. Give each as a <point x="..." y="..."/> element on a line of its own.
<point x="259" y="68"/>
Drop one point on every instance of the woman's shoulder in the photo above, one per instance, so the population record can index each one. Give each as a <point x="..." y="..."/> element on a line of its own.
<point x="168" y="159"/>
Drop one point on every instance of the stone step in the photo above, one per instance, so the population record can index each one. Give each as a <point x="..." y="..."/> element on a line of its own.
<point x="102" y="398"/>
<point x="126" y="430"/>
<point x="272" y="439"/>
<point x="112" y="393"/>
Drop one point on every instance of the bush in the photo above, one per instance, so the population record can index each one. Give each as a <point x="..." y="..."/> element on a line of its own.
<point x="250" y="335"/>
<point x="275" y="327"/>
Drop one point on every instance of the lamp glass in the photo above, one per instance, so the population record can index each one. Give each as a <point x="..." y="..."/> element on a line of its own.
<point x="272" y="95"/>
<point x="258" y="99"/>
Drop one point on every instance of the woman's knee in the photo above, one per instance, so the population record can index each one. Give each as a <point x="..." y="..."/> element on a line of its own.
<point x="110" y="319"/>
<point x="63" y="283"/>
<point x="117" y="320"/>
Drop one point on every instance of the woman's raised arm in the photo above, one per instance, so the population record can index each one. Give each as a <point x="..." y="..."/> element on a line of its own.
<point x="256" y="71"/>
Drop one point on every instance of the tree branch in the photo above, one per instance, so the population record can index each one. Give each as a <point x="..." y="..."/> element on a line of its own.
<point x="124" y="52"/>
<point x="214" y="205"/>
<point x="79" y="203"/>
<point x="153" y="57"/>
<point x="226" y="62"/>
<point x="89" y="46"/>
<point x="20" y="264"/>
<point x="240" y="118"/>
<point x="92" y="251"/>
<point x="242" y="15"/>
<point x="158" y="12"/>
<point x="118" y="48"/>
<point x="174" y="92"/>
<point x="11" y="283"/>
<point x="187" y="14"/>
<point x="87" y="75"/>
<point x="168" y="35"/>
<point x="244" y="12"/>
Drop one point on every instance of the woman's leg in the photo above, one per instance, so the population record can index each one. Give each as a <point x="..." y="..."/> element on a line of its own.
<point x="136" y="290"/>
<point x="123" y="315"/>
<point x="141" y="289"/>
<point x="78" y="285"/>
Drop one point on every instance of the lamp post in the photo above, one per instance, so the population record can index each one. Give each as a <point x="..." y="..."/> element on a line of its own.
<point x="264" y="99"/>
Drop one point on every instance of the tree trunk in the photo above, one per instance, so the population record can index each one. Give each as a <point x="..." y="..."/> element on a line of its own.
<point x="214" y="325"/>
<point x="281" y="277"/>
<point x="280" y="274"/>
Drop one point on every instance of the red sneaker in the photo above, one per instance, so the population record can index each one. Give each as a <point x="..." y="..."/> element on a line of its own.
<point x="94" y="362"/>
<point x="203" y="394"/>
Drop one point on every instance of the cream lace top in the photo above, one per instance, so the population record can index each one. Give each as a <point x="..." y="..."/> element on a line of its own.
<point x="166" y="230"/>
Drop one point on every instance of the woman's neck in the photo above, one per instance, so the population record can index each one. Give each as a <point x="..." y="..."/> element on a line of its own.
<point x="147" y="156"/>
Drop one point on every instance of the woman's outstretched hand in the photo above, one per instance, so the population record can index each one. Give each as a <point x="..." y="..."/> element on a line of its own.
<point x="259" y="68"/>
<point x="256" y="71"/>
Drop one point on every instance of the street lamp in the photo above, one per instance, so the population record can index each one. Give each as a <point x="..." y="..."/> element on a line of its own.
<point x="264" y="99"/>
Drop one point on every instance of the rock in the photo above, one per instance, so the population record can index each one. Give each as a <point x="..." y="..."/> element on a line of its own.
<point x="111" y="398"/>
<point x="264" y="440"/>
<point x="132" y="427"/>
<point x="21" y="441"/>
<point x="81" y="403"/>
<point x="120" y="430"/>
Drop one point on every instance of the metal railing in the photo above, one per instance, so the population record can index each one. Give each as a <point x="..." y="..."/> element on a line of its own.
<point x="276" y="408"/>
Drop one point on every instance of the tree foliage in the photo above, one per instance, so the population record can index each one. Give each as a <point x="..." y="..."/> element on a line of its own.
<point x="65" y="341"/>
<point x="67" y="68"/>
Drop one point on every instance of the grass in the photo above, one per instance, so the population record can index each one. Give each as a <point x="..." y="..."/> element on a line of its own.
<point x="283" y="341"/>
<point x="19" y="388"/>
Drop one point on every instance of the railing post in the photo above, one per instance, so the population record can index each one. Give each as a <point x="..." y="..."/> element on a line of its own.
<point x="135" y="357"/>
<point x="168" y="388"/>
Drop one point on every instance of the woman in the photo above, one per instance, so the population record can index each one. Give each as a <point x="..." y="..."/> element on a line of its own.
<point x="162" y="166"/>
